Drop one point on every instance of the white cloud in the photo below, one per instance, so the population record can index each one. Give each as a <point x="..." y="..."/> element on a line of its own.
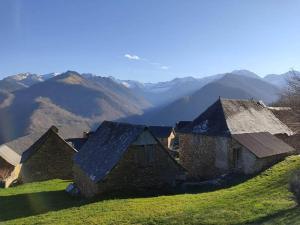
<point x="164" y="67"/>
<point x="132" y="57"/>
<point x="145" y="60"/>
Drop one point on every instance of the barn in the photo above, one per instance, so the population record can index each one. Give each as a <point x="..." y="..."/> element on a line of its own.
<point x="233" y="136"/>
<point x="121" y="156"/>
<point x="36" y="158"/>
<point x="164" y="134"/>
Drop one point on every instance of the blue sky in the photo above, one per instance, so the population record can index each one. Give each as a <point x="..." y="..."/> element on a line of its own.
<point x="149" y="40"/>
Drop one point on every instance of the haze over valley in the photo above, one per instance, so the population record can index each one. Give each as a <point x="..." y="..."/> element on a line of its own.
<point x="75" y="102"/>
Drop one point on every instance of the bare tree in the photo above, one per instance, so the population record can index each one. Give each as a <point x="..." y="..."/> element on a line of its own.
<point x="291" y="96"/>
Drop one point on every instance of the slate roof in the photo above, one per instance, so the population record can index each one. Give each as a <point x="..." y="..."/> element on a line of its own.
<point x="263" y="144"/>
<point x="161" y="131"/>
<point x="230" y="116"/>
<point x="182" y="126"/>
<point x="105" y="147"/>
<point x="76" y="143"/>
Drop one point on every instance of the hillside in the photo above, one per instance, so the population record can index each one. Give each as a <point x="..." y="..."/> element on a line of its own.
<point x="281" y="80"/>
<point x="69" y="101"/>
<point x="229" y="86"/>
<point x="261" y="200"/>
<point x="163" y="93"/>
<point x="19" y="81"/>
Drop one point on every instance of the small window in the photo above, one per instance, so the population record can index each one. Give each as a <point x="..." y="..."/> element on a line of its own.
<point x="237" y="155"/>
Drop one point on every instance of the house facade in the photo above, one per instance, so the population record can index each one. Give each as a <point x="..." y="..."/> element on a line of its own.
<point x="121" y="156"/>
<point x="211" y="144"/>
<point x="51" y="157"/>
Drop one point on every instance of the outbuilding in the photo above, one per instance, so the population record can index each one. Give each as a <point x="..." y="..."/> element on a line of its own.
<point x="36" y="157"/>
<point x="233" y="136"/>
<point x="121" y="156"/>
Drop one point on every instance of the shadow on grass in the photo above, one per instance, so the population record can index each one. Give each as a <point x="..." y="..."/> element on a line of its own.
<point x="23" y="205"/>
<point x="31" y="204"/>
<point x="288" y="216"/>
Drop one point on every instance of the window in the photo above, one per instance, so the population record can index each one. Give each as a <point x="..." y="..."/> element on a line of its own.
<point x="237" y="157"/>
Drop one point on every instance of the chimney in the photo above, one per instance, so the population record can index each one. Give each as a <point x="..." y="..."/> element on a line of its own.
<point x="87" y="134"/>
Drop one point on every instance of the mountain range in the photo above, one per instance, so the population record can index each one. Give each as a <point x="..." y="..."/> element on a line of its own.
<point x="69" y="101"/>
<point x="78" y="102"/>
<point x="190" y="106"/>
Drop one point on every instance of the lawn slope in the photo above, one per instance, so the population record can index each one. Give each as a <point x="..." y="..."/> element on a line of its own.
<point x="263" y="199"/>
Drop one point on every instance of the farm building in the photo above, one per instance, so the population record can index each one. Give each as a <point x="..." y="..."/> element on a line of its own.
<point x="35" y="158"/>
<point x="164" y="134"/>
<point x="233" y="136"/>
<point x="11" y="158"/>
<point x="120" y="156"/>
<point x="291" y="118"/>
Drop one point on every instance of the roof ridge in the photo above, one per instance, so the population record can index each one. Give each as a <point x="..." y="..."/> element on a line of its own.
<point x="224" y="114"/>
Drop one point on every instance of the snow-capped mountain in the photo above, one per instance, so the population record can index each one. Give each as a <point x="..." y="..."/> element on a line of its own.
<point x="157" y="94"/>
<point x="49" y="75"/>
<point x="165" y="92"/>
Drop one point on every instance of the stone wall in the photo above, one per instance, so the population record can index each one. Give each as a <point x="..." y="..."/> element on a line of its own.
<point x="251" y="164"/>
<point x="203" y="156"/>
<point x="87" y="187"/>
<point x="141" y="168"/>
<point x="52" y="159"/>
<point x="210" y="156"/>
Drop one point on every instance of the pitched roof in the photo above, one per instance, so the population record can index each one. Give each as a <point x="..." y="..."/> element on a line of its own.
<point x="161" y="131"/>
<point x="36" y="145"/>
<point x="182" y="126"/>
<point x="20" y="149"/>
<point x="230" y="116"/>
<point x="105" y="147"/>
<point x="263" y="144"/>
<point x="76" y="143"/>
<point x="12" y="151"/>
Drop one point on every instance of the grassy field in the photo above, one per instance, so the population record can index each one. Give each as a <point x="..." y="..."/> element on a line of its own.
<point x="261" y="200"/>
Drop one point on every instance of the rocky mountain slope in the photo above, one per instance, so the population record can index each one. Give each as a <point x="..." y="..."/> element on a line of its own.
<point x="69" y="101"/>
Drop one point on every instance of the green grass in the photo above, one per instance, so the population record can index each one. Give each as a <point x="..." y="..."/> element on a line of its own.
<point x="261" y="200"/>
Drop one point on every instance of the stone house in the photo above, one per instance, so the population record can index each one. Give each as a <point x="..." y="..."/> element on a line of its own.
<point x="120" y="156"/>
<point x="164" y="134"/>
<point x="36" y="158"/>
<point x="233" y="136"/>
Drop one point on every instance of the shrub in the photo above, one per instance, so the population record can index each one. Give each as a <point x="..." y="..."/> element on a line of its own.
<point x="294" y="186"/>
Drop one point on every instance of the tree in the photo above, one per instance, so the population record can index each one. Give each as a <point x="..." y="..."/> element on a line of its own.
<point x="291" y="96"/>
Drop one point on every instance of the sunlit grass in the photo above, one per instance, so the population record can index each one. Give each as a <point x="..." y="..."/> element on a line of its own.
<point x="263" y="199"/>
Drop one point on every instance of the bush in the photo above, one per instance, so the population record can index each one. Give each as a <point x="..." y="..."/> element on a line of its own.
<point x="294" y="186"/>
